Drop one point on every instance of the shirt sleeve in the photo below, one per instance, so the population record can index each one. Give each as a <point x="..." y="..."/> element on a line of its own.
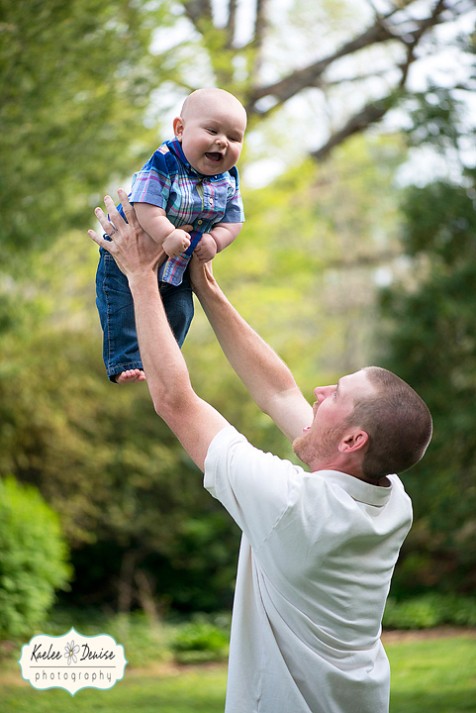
<point x="234" y="212"/>
<point x="255" y="487"/>
<point x="152" y="183"/>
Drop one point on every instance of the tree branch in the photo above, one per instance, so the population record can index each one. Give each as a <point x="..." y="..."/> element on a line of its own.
<point x="310" y="76"/>
<point x="371" y="113"/>
<point x="260" y="22"/>
<point x="399" y="25"/>
<point x="382" y="30"/>
<point x="197" y="11"/>
<point x="259" y="34"/>
<point x="231" y="24"/>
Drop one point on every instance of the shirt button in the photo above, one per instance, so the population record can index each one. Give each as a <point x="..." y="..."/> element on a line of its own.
<point x="199" y="222"/>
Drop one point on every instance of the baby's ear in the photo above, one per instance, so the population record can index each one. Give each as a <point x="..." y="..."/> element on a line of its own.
<point x="178" y="127"/>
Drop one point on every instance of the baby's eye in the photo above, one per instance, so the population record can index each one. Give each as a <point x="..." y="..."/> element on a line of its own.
<point x="211" y="131"/>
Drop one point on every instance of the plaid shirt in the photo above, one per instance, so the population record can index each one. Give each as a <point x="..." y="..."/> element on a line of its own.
<point x="168" y="181"/>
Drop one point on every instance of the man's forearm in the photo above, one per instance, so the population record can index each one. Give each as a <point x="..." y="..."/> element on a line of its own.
<point x="194" y="422"/>
<point x="265" y="375"/>
<point x="166" y="375"/>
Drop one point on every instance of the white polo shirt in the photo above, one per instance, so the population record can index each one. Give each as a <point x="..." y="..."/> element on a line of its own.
<point x="316" y="559"/>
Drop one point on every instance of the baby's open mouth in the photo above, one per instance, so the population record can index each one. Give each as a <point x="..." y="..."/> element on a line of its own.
<point x="214" y="156"/>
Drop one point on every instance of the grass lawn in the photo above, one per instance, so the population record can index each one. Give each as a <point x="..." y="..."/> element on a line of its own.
<point x="195" y="690"/>
<point x="433" y="673"/>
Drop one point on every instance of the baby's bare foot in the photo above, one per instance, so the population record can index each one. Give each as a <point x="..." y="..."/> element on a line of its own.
<point x="130" y="375"/>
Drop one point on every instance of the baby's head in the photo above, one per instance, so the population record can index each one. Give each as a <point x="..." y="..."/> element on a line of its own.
<point x="211" y="129"/>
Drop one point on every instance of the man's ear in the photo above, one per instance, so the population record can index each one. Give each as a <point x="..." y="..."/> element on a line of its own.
<point x="178" y="127"/>
<point x="353" y="441"/>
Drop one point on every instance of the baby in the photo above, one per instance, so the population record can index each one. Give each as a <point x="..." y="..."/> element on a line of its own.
<point x="187" y="198"/>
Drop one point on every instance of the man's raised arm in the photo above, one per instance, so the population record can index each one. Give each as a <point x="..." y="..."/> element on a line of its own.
<point x="194" y="422"/>
<point x="267" y="378"/>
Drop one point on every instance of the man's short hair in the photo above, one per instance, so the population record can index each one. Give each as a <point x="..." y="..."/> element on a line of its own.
<point x="397" y="421"/>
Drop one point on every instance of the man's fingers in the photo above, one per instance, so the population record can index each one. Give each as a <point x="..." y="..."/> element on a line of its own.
<point x="106" y="225"/>
<point x="115" y="220"/>
<point x="115" y="217"/>
<point x="94" y="236"/>
<point x="129" y="211"/>
<point x="99" y="240"/>
<point x="113" y="224"/>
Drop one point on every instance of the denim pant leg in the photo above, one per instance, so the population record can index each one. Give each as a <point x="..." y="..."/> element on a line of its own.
<point x="116" y="312"/>
<point x="178" y="305"/>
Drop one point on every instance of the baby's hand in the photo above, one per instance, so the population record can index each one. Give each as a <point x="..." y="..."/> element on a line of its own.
<point x="206" y="248"/>
<point x="176" y="242"/>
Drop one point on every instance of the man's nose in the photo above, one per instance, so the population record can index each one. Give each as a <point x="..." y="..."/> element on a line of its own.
<point x="323" y="392"/>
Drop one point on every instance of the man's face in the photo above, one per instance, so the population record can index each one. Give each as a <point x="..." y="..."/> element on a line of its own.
<point x="318" y="447"/>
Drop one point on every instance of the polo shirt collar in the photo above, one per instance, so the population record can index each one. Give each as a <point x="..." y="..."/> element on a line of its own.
<point x="176" y="147"/>
<point x="358" y="489"/>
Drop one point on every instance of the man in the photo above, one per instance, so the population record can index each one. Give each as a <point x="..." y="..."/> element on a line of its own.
<point x="319" y="547"/>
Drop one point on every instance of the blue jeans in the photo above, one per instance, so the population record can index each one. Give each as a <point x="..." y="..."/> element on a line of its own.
<point x="116" y="312"/>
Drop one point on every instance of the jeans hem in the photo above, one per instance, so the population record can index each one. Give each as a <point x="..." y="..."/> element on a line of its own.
<point x="113" y="371"/>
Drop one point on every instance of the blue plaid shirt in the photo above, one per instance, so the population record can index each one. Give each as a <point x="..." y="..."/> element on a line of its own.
<point x="168" y="181"/>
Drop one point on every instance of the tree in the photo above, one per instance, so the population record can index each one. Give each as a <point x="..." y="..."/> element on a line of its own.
<point x="33" y="558"/>
<point x="430" y="338"/>
<point x="81" y="87"/>
<point x="427" y="336"/>
<point x="75" y="82"/>
<point x="140" y="525"/>
<point x="348" y="79"/>
<point x="83" y="82"/>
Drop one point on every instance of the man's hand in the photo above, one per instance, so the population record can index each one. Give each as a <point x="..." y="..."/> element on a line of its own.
<point x="131" y="247"/>
<point x="201" y="275"/>
<point x="206" y="248"/>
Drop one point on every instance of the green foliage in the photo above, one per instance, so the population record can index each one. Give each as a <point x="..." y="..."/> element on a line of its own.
<point x="430" y="341"/>
<point x="200" y="640"/>
<point x="307" y="256"/>
<point x="145" y="641"/>
<point x="440" y="222"/>
<point x="436" y="117"/>
<point x="33" y="558"/>
<point x="113" y="471"/>
<point x="82" y="83"/>
<point x="429" y="611"/>
<point x="75" y="82"/>
<point x="427" y="335"/>
<point x="132" y="505"/>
